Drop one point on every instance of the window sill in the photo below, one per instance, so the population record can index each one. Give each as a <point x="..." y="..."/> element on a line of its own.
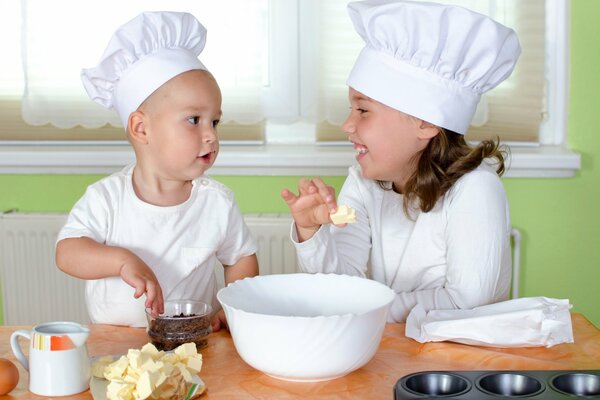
<point x="266" y="160"/>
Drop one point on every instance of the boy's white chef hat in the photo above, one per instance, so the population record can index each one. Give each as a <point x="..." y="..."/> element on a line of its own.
<point x="141" y="56"/>
<point x="429" y="60"/>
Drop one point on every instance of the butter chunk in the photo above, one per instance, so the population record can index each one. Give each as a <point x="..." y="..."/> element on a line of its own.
<point x="194" y="363"/>
<point x="120" y="390"/>
<point x="145" y="385"/>
<point x="186" y="350"/>
<point x="151" y="374"/>
<point x="151" y="350"/>
<point x="343" y="215"/>
<point x="169" y="358"/>
<point x="100" y="364"/>
<point x="117" y="369"/>
<point x="187" y="376"/>
<point x="135" y="358"/>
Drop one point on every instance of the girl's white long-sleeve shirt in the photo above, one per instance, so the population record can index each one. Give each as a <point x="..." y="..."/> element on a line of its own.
<point x="455" y="256"/>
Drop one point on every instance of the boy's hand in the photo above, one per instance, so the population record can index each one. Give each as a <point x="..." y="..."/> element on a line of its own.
<point x="311" y="208"/>
<point x="219" y="321"/>
<point x="140" y="277"/>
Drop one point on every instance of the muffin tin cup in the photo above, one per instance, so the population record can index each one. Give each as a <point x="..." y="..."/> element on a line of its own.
<point x="481" y="385"/>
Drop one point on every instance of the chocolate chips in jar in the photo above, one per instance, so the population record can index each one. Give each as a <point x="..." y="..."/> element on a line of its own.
<point x="182" y="322"/>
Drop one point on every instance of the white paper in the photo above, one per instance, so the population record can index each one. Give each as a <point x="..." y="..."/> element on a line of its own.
<point x="523" y="322"/>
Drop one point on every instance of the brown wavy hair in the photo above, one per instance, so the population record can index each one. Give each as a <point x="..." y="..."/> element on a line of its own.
<point x="446" y="158"/>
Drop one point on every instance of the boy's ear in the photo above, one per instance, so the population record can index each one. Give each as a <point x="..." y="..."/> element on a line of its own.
<point x="428" y="130"/>
<point x="136" y="128"/>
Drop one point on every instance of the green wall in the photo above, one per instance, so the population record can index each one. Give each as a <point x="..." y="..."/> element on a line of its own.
<point x="559" y="218"/>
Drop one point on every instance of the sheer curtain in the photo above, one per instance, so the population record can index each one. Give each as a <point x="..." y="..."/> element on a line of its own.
<point x="56" y="45"/>
<point x="270" y="57"/>
<point x="513" y="110"/>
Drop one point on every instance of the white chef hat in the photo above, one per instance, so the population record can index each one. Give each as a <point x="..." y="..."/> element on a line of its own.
<point x="429" y="60"/>
<point x="141" y="56"/>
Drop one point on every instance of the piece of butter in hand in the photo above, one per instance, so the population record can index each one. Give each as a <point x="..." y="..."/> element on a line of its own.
<point x="343" y="215"/>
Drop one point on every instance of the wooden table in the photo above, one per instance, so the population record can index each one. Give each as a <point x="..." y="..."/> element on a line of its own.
<point x="228" y="377"/>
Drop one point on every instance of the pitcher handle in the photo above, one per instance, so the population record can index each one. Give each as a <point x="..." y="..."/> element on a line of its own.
<point x="16" y="347"/>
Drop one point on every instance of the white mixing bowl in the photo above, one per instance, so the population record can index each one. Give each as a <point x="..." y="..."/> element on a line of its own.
<point x="306" y="327"/>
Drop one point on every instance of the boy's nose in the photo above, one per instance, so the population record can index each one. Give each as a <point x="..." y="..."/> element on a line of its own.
<point x="209" y="135"/>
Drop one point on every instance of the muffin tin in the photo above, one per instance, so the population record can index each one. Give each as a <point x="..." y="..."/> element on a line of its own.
<point x="481" y="385"/>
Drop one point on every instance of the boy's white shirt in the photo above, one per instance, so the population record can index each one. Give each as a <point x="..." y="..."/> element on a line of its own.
<point x="455" y="256"/>
<point x="180" y="243"/>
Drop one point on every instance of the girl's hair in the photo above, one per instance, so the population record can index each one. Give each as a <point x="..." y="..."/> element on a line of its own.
<point x="446" y="158"/>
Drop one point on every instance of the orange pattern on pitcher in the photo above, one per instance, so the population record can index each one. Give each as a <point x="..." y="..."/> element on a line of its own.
<point x="52" y="343"/>
<point x="61" y="343"/>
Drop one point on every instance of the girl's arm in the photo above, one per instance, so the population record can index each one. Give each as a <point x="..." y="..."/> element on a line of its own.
<point x="344" y="249"/>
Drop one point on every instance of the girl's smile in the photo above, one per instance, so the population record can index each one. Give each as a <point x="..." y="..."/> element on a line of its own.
<point x="360" y="150"/>
<point x="387" y="142"/>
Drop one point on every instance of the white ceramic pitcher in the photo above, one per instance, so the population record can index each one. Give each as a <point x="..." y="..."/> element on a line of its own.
<point x="58" y="363"/>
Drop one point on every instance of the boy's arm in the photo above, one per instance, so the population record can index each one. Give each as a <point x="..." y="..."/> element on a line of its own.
<point x="85" y="258"/>
<point x="245" y="267"/>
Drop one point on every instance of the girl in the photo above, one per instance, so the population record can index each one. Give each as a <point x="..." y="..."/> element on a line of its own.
<point x="432" y="216"/>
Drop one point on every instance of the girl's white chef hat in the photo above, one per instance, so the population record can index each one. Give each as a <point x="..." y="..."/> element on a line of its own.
<point x="141" y="56"/>
<point x="429" y="60"/>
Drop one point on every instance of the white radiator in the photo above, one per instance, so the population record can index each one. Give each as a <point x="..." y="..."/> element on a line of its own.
<point x="34" y="290"/>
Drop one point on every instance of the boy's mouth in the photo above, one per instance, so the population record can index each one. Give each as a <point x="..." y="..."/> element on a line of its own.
<point x="206" y="156"/>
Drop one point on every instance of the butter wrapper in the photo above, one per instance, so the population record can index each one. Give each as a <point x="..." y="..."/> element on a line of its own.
<point x="523" y="322"/>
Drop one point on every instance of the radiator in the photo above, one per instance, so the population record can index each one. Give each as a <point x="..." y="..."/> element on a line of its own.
<point x="34" y="290"/>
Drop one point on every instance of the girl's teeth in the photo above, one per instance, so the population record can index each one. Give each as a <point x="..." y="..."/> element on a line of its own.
<point x="361" y="151"/>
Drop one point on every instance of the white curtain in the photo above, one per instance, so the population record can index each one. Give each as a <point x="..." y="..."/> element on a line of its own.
<point x="60" y="37"/>
<point x="247" y="40"/>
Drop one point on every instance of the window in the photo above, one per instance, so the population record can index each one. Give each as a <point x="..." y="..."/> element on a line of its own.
<point x="282" y="66"/>
<point x="515" y="110"/>
<point x="43" y="93"/>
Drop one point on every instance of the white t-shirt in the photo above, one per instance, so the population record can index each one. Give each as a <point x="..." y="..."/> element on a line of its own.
<point x="180" y="243"/>
<point x="454" y="256"/>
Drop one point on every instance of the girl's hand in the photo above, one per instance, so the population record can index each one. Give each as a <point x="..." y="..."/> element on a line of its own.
<point x="311" y="207"/>
<point x="139" y="276"/>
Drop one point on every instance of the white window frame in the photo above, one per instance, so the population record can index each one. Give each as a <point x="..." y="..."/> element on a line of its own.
<point x="551" y="159"/>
